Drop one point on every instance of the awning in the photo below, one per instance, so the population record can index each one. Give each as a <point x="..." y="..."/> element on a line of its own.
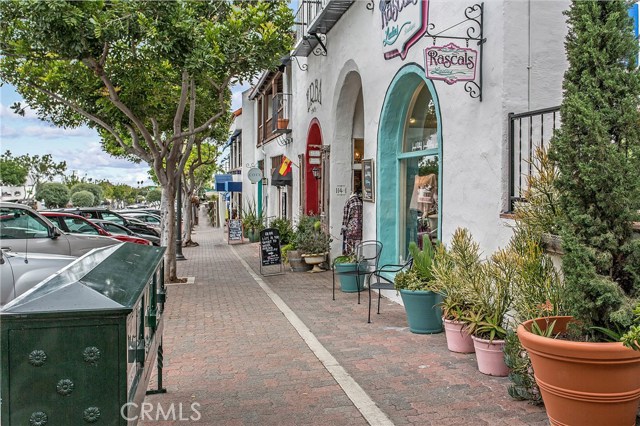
<point x="278" y="180"/>
<point x="231" y="139"/>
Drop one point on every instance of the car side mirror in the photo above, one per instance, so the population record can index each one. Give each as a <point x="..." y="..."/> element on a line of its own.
<point x="54" y="233"/>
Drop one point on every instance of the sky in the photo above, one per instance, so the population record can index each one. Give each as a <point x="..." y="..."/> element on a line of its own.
<point x="79" y="147"/>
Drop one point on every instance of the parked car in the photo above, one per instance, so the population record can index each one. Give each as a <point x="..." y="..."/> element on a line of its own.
<point x="134" y="225"/>
<point x="75" y="224"/>
<point x="148" y="218"/>
<point x="22" y="229"/>
<point x="156" y="212"/>
<point x="19" y="272"/>
<point x="117" y="229"/>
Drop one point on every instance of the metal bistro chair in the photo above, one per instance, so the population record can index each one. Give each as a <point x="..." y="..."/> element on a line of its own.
<point x="384" y="280"/>
<point x="367" y="257"/>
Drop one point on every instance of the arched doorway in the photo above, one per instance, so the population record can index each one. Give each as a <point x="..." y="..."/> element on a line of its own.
<point x="409" y="164"/>
<point x="314" y="172"/>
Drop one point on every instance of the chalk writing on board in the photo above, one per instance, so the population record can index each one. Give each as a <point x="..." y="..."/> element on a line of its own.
<point x="270" y="247"/>
<point x="235" y="230"/>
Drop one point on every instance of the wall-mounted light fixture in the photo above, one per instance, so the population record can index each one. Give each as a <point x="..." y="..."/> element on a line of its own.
<point x="412" y="120"/>
<point x="316" y="172"/>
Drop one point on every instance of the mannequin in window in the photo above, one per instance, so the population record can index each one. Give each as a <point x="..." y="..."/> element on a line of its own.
<point x="352" y="220"/>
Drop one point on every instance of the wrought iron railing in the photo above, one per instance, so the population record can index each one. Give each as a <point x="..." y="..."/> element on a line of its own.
<point x="527" y="132"/>
<point x="281" y="112"/>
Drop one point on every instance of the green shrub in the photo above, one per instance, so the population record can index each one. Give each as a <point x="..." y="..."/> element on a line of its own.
<point x="53" y="194"/>
<point x="83" y="199"/>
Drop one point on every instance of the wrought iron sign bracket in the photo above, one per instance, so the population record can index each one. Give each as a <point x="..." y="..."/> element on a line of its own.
<point x="474" y="20"/>
<point x="322" y="49"/>
<point x="371" y="5"/>
<point x="303" y="67"/>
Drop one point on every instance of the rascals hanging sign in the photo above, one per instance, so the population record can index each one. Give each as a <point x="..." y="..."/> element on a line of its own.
<point x="450" y="63"/>
<point x="404" y="22"/>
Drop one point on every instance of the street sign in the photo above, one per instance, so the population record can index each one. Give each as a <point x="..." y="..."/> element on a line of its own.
<point x="254" y="175"/>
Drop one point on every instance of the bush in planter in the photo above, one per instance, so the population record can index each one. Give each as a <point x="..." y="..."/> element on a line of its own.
<point x="455" y="270"/>
<point x="537" y="291"/>
<point x="310" y="238"/>
<point x="597" y="153"/>
<point x="417" y="289"/>
<point x="285" y="229"/>
<point x="252" y="222"/>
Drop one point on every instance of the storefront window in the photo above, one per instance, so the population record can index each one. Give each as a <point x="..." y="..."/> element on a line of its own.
<point x="419" y="171"/>
<point x="421" y="128"/>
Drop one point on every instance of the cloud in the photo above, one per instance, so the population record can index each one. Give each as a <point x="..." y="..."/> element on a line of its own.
<point x="47" y="131"/>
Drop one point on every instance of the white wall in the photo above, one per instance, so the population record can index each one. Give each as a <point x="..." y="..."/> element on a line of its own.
<point x="522" y="70"/>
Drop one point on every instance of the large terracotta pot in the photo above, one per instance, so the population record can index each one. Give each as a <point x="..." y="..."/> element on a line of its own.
<point x="586" y="384"/>
<point x="490" y="356"/>
<point x="458" y="340"/>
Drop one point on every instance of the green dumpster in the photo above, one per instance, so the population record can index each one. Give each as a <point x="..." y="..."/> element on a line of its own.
<point x="79" y="348"/>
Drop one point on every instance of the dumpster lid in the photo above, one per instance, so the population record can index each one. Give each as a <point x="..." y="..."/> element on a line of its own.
<point x="106" y="278"/>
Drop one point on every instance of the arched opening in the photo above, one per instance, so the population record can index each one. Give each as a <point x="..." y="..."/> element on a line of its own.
<point x="409" y="164"/>
<point x="313" y="170"/>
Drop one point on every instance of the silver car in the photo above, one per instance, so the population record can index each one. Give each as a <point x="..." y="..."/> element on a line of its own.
<point x="19" y="272"/>
<point x="22" y="229"/>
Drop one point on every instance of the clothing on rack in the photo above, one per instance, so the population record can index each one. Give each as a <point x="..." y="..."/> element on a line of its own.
<point x="352" y="223"/>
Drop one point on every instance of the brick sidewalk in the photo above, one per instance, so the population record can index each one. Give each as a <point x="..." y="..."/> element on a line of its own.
<point x="229" y="349"/>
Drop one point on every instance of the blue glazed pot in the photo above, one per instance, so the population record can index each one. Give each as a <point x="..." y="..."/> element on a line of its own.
<point x="424" y="313"/>
<point x="348" y="282"/>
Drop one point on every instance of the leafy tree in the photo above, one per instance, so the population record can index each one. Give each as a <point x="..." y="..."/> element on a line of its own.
<point x="53" y="194"/>
<point x="83" y="199"/>
<point x="93" y="188"/>
<point x="123" y="194"/>
<point x="147" y="74"/>
<point x="12" y="171"/>
<point x="597" y="154"/>
<point x="41" y="169"/>
<point x="154" y="195"/>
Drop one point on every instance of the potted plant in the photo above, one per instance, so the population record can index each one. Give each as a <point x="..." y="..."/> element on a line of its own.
<point x="314" y="244"/>
<point x="454" y="271"/>
<point x="344" y="267"/>
<point x="596" y="152"/>
<point x="252" y="222"/>
<point x="537" y="285"/>
<point x="416" y="287"/>
<point x="486" y="317"/>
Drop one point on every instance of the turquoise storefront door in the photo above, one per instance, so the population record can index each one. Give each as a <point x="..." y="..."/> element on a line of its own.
<point x="409" y="164"/>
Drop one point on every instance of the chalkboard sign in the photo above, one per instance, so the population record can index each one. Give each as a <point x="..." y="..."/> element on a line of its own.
<point x="270" y="247"/>
<point x="235" y="230"/>
<point x="368" y="181"/>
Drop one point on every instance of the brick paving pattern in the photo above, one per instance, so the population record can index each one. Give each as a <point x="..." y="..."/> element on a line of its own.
<point x="229" y="349"/>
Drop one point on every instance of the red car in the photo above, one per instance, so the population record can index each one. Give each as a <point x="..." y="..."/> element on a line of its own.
<point x="75" y="224"/>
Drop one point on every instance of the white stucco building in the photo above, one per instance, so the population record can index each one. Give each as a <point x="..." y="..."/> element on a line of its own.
<point x="412" y="97"/>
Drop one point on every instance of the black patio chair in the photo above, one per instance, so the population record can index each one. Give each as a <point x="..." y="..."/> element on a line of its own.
<point x="367" y="257"/>
<point x="384" y="280"/>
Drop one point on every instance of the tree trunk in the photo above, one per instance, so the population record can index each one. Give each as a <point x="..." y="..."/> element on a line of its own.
<point x="168" y="236"/>
<point x="188" y="214"/>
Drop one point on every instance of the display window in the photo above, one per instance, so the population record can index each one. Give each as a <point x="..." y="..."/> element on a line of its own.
<point x="419" y="171"/>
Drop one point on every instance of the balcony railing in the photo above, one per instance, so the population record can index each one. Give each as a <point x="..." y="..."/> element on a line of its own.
<point x="316" y="17"/>
<point x="281" y="113"/>
<point x="527" y="132"/>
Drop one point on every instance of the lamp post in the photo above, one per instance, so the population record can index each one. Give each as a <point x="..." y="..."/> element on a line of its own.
<point x="179" y="255"/>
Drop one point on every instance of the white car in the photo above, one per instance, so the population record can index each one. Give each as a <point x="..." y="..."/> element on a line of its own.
<point x="22" y="229"/>
<point x="20" y="272"/>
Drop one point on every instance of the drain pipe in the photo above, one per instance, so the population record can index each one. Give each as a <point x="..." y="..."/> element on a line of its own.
<point x="529" y="57"/>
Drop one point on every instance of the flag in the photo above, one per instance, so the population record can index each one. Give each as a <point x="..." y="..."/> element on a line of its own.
<point x="285" y="167"/>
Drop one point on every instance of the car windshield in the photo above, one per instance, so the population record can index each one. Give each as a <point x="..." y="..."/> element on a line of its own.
<point x="17" y="223"/>
<point x="115" y="229"/>
<point x="79" y="226"/>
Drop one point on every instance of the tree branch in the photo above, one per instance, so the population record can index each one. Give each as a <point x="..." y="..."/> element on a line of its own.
<point x="184" y="90"/>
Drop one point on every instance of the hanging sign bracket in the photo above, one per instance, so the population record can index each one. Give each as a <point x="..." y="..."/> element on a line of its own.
<point x="452" y="63"/>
